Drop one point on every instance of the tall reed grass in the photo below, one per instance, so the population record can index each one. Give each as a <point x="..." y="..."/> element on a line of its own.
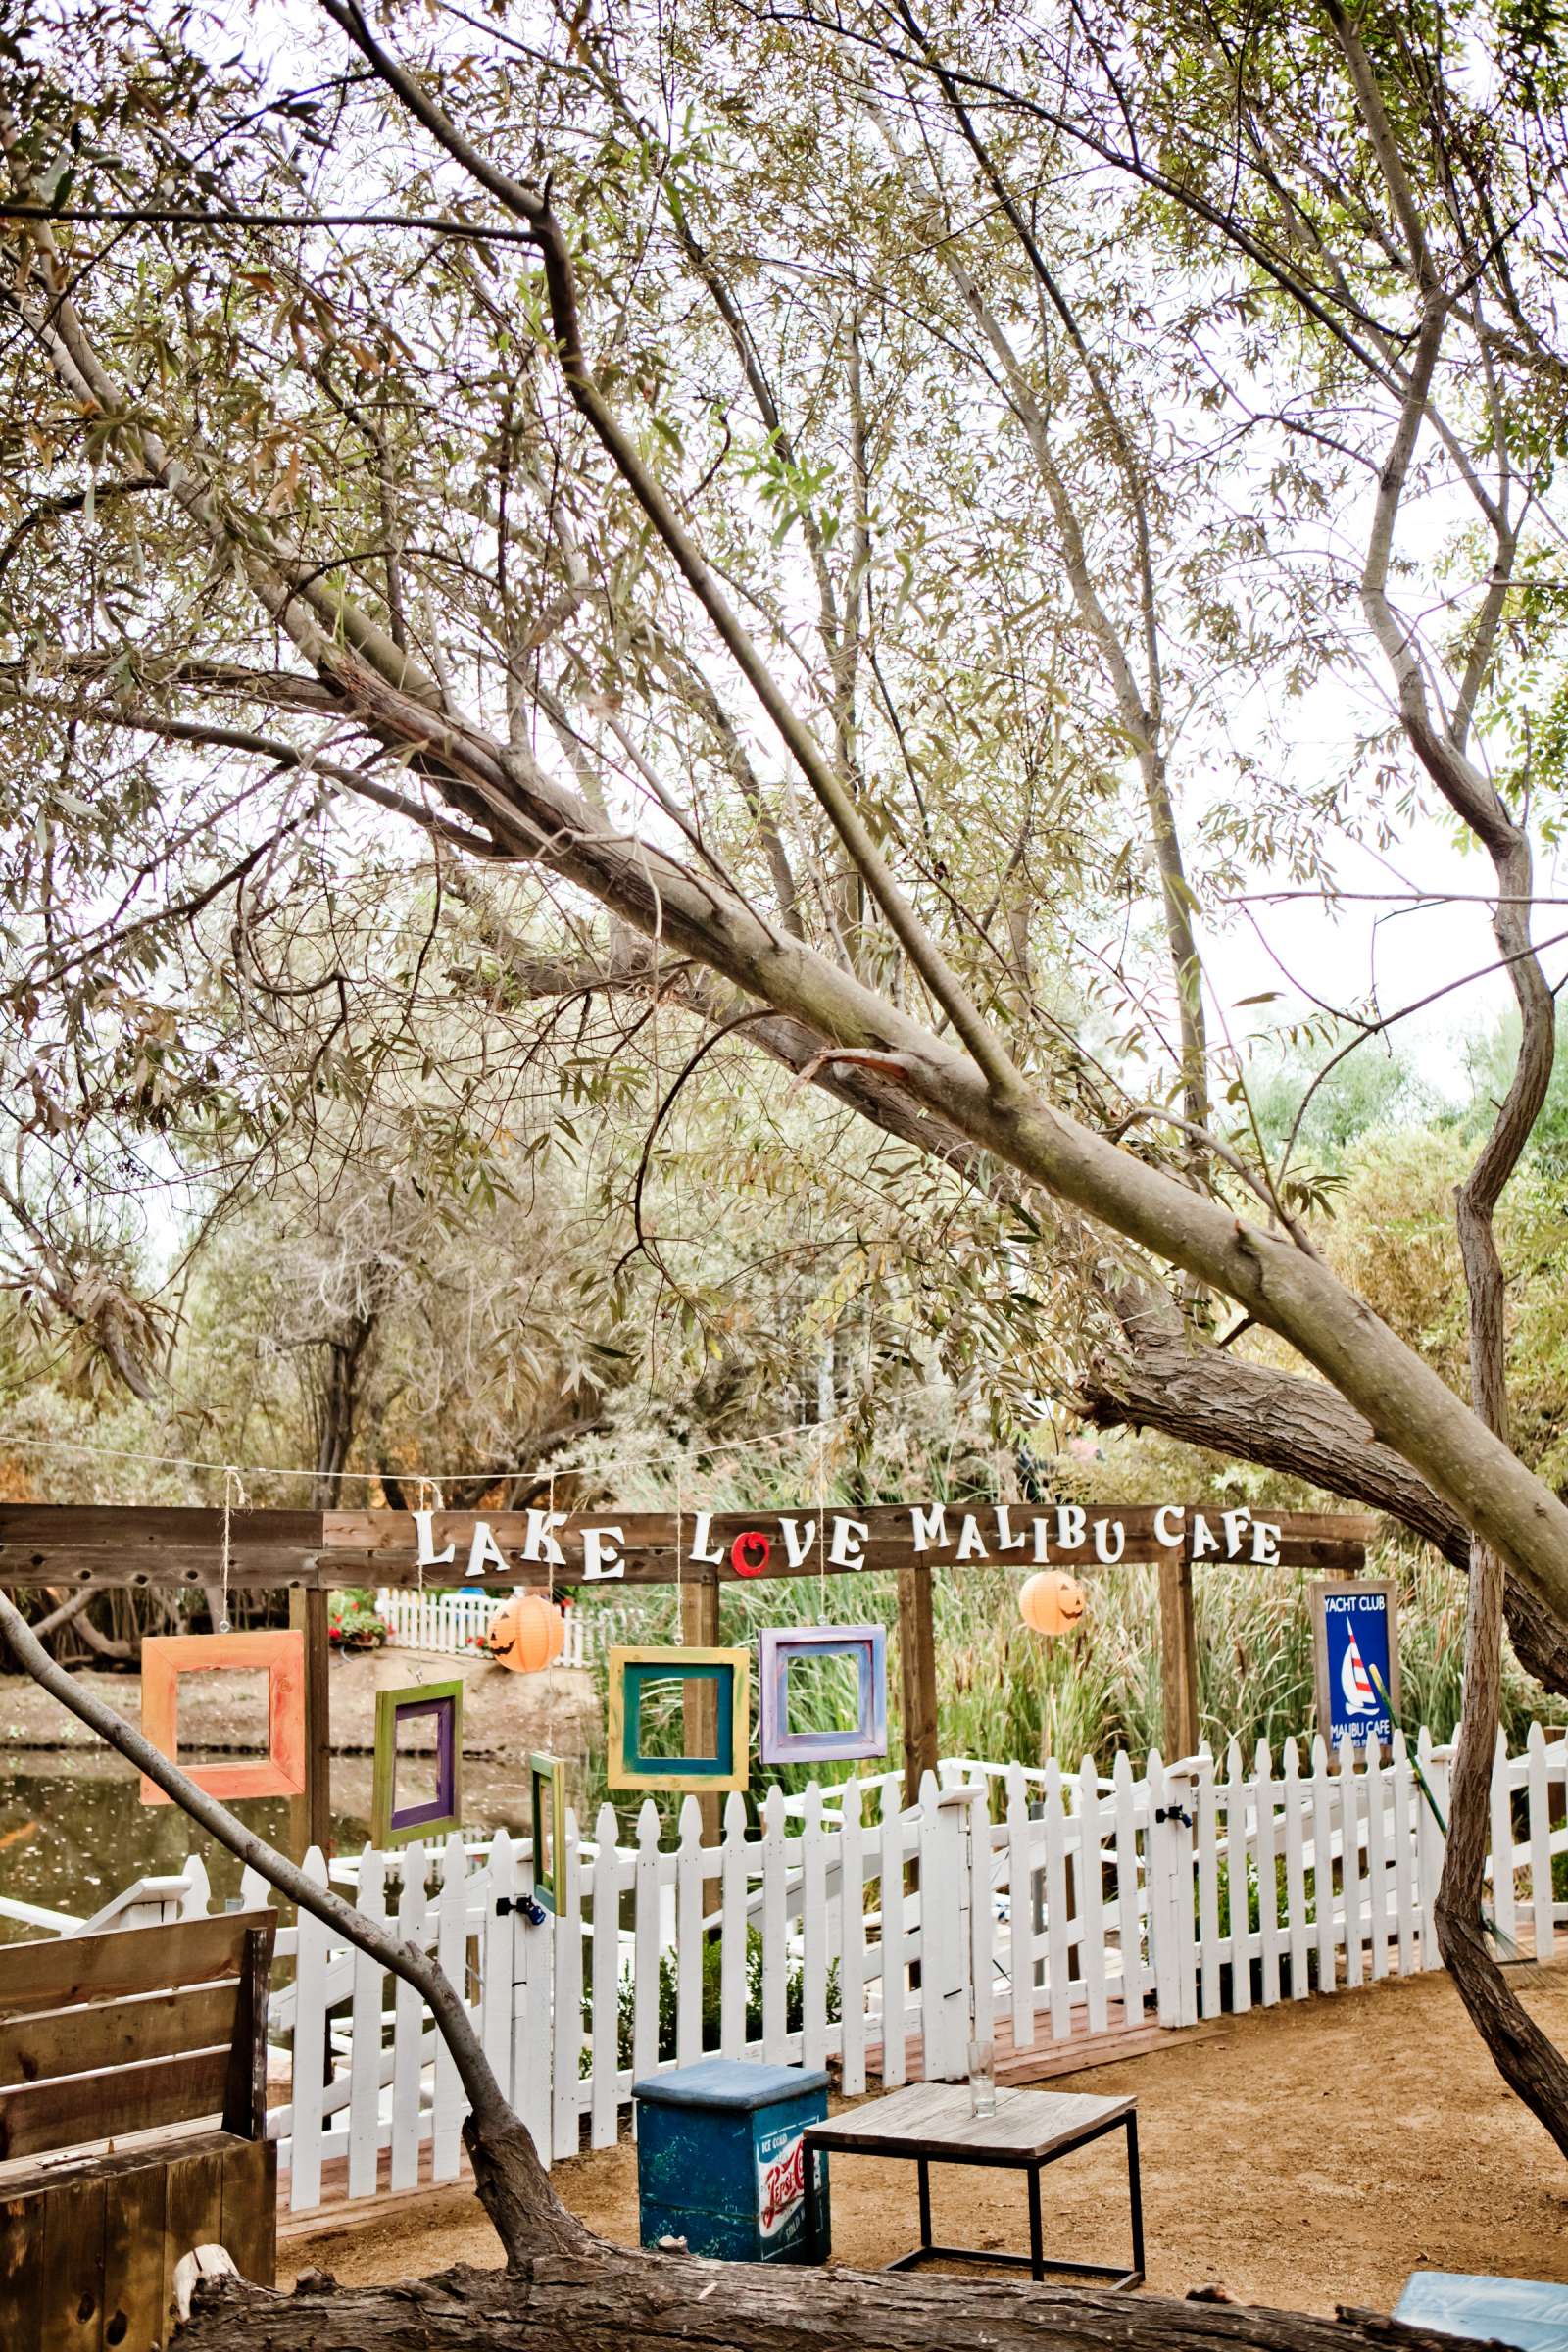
<point x="1006" y="1693"/>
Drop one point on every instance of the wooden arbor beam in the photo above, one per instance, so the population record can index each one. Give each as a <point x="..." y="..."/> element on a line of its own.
<point x="70" y="1546"/>
<point x="917" y="1669"/>
<point x="698" y="1630"/>
<point x="127" y="1544"/>
<point x="1178" y="1654"/>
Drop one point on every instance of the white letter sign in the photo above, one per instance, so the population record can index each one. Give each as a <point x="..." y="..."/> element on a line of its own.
<point x="700" y="1538"/>
<point x="429" y="1557"/>
<point x="845" y="1551"/>
<point x="485" y="1547"/>
<point x="599" y="1554"/>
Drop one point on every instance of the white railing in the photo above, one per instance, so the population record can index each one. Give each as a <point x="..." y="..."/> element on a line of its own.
<point x="847" y="1927"/>
<point x="148" y="1902"/>
<point x="454" y="1623"/>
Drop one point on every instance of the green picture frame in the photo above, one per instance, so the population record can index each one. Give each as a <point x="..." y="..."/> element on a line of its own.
<point x="547" y="1784"/>
<point x="391" y="1824"/>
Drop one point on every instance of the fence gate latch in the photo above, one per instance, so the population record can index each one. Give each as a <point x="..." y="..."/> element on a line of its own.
<point x="534" y="1913"/>
<point x="1174" y="1813"/>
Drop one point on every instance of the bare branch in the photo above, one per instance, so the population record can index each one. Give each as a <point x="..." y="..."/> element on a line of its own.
<point x="528" y="2217"/>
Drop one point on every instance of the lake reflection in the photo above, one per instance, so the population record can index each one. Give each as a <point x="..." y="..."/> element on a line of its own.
<point x="74" y="1831"/>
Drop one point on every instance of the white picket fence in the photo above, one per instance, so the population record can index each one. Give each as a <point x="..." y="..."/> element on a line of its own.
<point x="454" y="1623"/>
<point x="1041" y="1903"/>
<point x="1020" y="1904"/>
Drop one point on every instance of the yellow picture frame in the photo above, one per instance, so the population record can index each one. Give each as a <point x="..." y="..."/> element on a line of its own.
<point x="727" y="1673"/>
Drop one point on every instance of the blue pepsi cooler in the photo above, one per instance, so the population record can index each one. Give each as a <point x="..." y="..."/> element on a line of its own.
<point x="719" y="2160"/>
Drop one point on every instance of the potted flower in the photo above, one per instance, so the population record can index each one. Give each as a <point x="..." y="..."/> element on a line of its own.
<point x="353" y="1622"/>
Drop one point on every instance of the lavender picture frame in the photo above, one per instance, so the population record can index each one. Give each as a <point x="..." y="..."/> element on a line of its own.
<point x="780" y="1648"/>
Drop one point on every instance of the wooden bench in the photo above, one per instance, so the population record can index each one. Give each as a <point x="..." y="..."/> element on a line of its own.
<point x="132" y="2123"/>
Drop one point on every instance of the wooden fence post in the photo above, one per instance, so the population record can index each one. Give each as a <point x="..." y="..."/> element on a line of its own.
<point x="944" y="2004"/>
<point x="1178" y="1651"/>
<point x="917" y="1670"/>
<point x="311" y="1815"/>
<point x="698" y="1630"/>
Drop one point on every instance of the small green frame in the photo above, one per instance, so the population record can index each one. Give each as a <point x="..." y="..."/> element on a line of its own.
<point x="547" y="1779"/>
<point x="394" y="1824"/>
<point x="727" y="1672"/>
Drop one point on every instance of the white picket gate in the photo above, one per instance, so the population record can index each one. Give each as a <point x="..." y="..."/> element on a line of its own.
<point x="454" y="1623"/>
<point x="1018" y="1904"/>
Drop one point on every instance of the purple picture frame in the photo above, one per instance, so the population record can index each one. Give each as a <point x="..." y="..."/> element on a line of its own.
<point x="778" y="1648"/>
<point x="392" y="1824"/>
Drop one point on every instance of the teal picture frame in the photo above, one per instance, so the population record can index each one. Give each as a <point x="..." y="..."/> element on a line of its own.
<point x="726" y="1673"/>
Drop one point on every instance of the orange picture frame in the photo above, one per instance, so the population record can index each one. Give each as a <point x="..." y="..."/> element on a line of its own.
<point x="164" y="1657"/>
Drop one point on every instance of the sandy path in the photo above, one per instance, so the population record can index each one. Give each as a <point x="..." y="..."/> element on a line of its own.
<point x="1306" y="2156"/>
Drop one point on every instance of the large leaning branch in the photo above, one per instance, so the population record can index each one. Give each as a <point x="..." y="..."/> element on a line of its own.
<point x="530" y="814"/>
<point x="535" y="211"/>
<point x="1401" y="1397"/>
<point x="611" y="2297"/>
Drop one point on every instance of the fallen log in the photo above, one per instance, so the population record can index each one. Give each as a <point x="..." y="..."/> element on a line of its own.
<point x="607" y="2298"/>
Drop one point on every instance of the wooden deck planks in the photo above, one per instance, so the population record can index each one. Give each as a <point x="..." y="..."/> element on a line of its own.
<point x="1072" y="2053"/>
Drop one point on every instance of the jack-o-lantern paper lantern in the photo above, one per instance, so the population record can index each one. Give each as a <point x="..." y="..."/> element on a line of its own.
<point x="526" y="1633"/>
<point x="1051" y="1601"/>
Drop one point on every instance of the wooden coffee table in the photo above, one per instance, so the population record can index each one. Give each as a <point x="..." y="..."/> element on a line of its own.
<point x="931" y="2123"/>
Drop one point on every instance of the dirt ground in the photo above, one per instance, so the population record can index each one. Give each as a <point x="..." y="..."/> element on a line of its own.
<point x="1304" y="2156"/>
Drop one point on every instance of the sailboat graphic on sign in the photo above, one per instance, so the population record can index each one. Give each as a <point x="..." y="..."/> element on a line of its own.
<point x="1356" y="1683"/>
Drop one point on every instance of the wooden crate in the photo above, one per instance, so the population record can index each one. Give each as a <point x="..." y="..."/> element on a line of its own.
<point x="132" y="2111"/>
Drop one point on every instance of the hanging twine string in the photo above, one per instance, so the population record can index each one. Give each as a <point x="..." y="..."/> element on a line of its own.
<point x="821" y="1526"/>
<point x="234" y="1499"/>
<point x="369" y="1478"/>
<point x="427" y="1487"/>
<point x="549" y="1564"/>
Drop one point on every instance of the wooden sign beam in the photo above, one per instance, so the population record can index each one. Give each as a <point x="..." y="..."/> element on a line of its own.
<point x="71" y="1545"/>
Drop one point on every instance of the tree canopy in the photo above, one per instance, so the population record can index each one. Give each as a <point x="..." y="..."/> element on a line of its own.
<point x="778" y="567"/>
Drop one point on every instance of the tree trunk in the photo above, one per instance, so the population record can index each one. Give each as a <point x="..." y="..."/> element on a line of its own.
<point x="334" y="1403"/>
<point x="603" y="2300"/>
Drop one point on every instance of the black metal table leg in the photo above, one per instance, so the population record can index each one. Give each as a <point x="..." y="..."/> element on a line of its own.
<point x="1037" y="2249"/>
<point x="1136" y="2195"/>
<point x="923" y="2169"/>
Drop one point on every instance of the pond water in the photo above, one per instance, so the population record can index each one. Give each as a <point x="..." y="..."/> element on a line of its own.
<point x="74" y="1830"/>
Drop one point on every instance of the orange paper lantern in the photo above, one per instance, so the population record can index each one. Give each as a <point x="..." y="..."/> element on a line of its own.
<point x="1051" y="1601"/>
<point x="526" y="1633"/>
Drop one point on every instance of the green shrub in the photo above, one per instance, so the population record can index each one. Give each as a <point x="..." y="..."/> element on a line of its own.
<point x="668" y="1997"/>
<point x="1255" y="1909"/>
<point x="354" y="1621"/>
